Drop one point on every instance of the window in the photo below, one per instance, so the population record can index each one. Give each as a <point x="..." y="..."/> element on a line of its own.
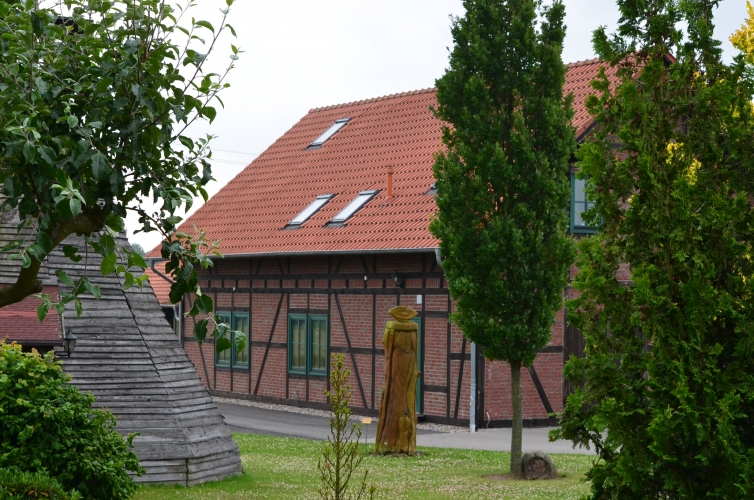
<point x="353" y="207"/>
<point x="329" y="132"/>
<point x="307" y="344"/>
<point x="238" y="321"/>
<point x="319" y="202"/>
<point x="579" y="205"/>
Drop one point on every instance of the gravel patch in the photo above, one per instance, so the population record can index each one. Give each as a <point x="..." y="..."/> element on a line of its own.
<point x="321" y="413"/>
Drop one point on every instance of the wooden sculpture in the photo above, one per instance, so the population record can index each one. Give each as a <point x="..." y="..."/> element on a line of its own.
<point x="396" y="428"/>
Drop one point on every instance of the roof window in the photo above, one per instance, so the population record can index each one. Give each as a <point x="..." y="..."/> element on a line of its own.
<point x="329" y="132"/>
<point x="353" y="207"/>
<point x="319" y="202"/>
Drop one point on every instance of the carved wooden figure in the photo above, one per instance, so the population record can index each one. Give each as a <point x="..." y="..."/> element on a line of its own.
<point x="396" y="428"/>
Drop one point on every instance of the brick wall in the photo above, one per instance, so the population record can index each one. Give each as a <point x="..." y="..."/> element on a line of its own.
<point x="269" y="288"/>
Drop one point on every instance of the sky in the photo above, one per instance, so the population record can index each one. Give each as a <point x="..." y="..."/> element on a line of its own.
<point x="301" y="54"/>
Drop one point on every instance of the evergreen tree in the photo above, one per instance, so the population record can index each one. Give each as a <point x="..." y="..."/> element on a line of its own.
<point x="668" y="377"/>
<point x="502" y="182"/>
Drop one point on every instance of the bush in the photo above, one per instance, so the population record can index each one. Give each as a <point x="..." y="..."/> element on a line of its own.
<point x="15" y="484"/>
<point x="47" y="425"/>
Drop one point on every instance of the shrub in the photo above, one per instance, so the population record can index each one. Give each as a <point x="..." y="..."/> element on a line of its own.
<point x="47" y="425"/>
<point x="18" y="485"/>
<point x="341" y="457"/>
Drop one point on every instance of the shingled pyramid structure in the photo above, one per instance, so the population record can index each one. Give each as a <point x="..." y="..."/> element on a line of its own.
<point x="130" y="359"/>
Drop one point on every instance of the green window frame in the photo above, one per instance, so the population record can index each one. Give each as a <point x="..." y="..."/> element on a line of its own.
<point x="308" y="344"/>
<point x="237" y="321"/>
<point x="297" y="343"/>
<point x="579" y="204"/>
<point x="419" y="357"/>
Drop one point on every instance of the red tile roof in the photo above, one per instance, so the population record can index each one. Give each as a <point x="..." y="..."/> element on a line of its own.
<point x="160" y="286"/>
<point x="19" y="322"/>
<point x="250" y="213"/>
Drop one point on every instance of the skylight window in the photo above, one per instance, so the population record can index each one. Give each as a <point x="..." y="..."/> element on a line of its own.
<point x="353" y="207"/>
<point x="329" y="132"/>
<point x="319" y="202"/>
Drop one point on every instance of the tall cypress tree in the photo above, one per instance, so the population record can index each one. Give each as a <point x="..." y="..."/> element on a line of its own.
<point x="502" y="181"/>
<point x="668" y="377"/>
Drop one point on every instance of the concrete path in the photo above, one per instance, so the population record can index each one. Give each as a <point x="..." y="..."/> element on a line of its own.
<point x="252" y="420"/>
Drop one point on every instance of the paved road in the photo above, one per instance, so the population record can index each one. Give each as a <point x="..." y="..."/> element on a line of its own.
<point x="249" y="419"/>
<point x="252" y="420"/>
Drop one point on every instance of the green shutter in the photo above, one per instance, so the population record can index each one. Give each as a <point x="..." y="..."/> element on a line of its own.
<point x="241" y="324"/>
<point x="297" y="343"/>
<point x="318" y="344"/>
<point x="223" y="358"/>
<point x="419" y="354"/>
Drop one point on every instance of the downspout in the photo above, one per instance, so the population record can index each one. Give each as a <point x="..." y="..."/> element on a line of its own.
<point x="438" y="257"/>
<point x="472" y="410"/>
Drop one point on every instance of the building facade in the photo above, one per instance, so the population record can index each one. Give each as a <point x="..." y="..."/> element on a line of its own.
<point x="325" y="232"/>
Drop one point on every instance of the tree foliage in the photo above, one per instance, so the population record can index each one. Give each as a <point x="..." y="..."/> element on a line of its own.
<point x="48" y="426"/>
<point x="668" y="378"/>
<point x="502" y="183"/>
<point x="743" y="39"/>
<point x="96" y="97"/>
<point x="17" y="485"/>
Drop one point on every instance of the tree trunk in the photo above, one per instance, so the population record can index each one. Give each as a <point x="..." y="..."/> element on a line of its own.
<point x="516" y="434"/>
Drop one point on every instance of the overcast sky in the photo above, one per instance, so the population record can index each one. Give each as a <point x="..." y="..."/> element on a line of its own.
<point x="301" y="54"/>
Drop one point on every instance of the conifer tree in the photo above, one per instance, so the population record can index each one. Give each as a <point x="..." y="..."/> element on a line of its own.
<point x="502" y="181"/>
<point x="668" y="377"/>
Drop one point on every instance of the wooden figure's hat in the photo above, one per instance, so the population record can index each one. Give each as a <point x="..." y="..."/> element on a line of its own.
<point x="403" y="313"/>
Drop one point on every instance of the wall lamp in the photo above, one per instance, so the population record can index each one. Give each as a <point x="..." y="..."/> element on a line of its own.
<point x="399" y="280"/>
<point x="69" y="342"/>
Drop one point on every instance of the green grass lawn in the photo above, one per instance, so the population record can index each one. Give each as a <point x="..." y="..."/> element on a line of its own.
<point x="286" y="468"/>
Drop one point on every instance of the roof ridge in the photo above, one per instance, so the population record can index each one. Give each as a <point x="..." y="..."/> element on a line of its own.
<point x="585" y="62"/>
<point x="375" y="99"/>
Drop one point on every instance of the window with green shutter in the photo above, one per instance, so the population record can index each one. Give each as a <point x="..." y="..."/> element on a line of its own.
<point x="238" y="321"/>
<point x="223" y="358"/>
<point x="297" y="343"/>
<point x="241" y="324"/>
<point x="307" y="344"/>
<point x="318" y="344"/>
<point x="579" y="204"/>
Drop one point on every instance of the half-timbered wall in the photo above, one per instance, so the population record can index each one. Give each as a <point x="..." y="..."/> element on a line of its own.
<point x="355" y="293"/>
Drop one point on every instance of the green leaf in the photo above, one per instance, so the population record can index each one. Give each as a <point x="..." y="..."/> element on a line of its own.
<point x="99" y="165"/>
<point x="75" y="206"/>
<point x="200" y="331"/>
<point x="42" y="311"/>
<point x="44" y="242"/>
<point x="222" y="343"/>
<point x="11" y="246"/>
<point x="25" y="260"/>
<point x="115" y="223"/>
<point x="91" y="288"/>
<point x="73" y="121"/>
<point x="106" y="245"/>
<point x="205" y="24"/>
<point x="204" y="304"/>
<point x="70" y="252"/>
<point x="64" y="278"/>
<point x="108" y="264"/>
<point x="129" y="281"/>
<point x="137" y="260"/>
